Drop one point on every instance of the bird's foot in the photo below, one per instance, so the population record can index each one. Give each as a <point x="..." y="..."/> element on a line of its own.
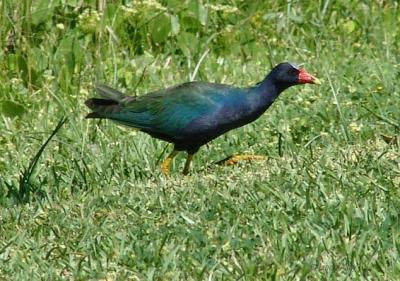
<point x="166" y="164"/>
<point x="234" y="159"/>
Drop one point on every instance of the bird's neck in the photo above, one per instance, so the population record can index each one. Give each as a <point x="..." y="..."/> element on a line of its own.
<point x="268" y="90"/>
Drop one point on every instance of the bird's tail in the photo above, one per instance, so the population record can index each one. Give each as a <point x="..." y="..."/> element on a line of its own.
<point x="109" y="103"/>
<point x="100" y="107"/>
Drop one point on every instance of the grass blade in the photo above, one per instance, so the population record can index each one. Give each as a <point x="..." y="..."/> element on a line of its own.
<point x="24" y="186"/>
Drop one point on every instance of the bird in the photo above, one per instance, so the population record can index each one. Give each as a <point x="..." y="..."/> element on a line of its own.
<point x="191" y="114"/>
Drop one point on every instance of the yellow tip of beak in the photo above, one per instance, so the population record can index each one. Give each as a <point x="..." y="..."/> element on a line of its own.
<point x="317" y="81"/>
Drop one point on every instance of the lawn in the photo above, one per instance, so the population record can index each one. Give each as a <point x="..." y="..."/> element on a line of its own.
<point x="85" y="199"/>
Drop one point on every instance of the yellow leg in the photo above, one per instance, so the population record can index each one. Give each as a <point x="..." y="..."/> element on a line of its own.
<point x="167" y="162"/>
<point x="232" y="160"/>
<point x="187" y="164"/>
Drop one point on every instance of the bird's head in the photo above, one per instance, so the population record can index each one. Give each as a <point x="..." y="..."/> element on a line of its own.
<point x="289" y="74"/>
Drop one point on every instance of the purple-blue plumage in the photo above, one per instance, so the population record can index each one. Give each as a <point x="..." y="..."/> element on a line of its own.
<point x="192" y="114"/>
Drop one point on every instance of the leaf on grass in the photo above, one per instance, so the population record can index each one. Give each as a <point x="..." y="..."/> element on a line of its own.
<point x="17" y="63"/>
<point x="42" y="11"/>
<point x="160" y="28"/>
<point x="11" y="109"/>
<point x="349" y="26"/>
<point x="175" y="27"/>
<point x="389" y="139"/>
<point x="188" y="43"/>
<point x="202" y="14"/>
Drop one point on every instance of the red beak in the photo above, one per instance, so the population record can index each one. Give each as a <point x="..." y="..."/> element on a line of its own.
<point x="306" y="78"/>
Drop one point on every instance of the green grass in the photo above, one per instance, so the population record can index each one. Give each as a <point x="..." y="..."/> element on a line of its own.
<point x="93" y="204"/>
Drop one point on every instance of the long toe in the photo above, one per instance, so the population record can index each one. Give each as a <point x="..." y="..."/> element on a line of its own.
<point x="233" y="160"/>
